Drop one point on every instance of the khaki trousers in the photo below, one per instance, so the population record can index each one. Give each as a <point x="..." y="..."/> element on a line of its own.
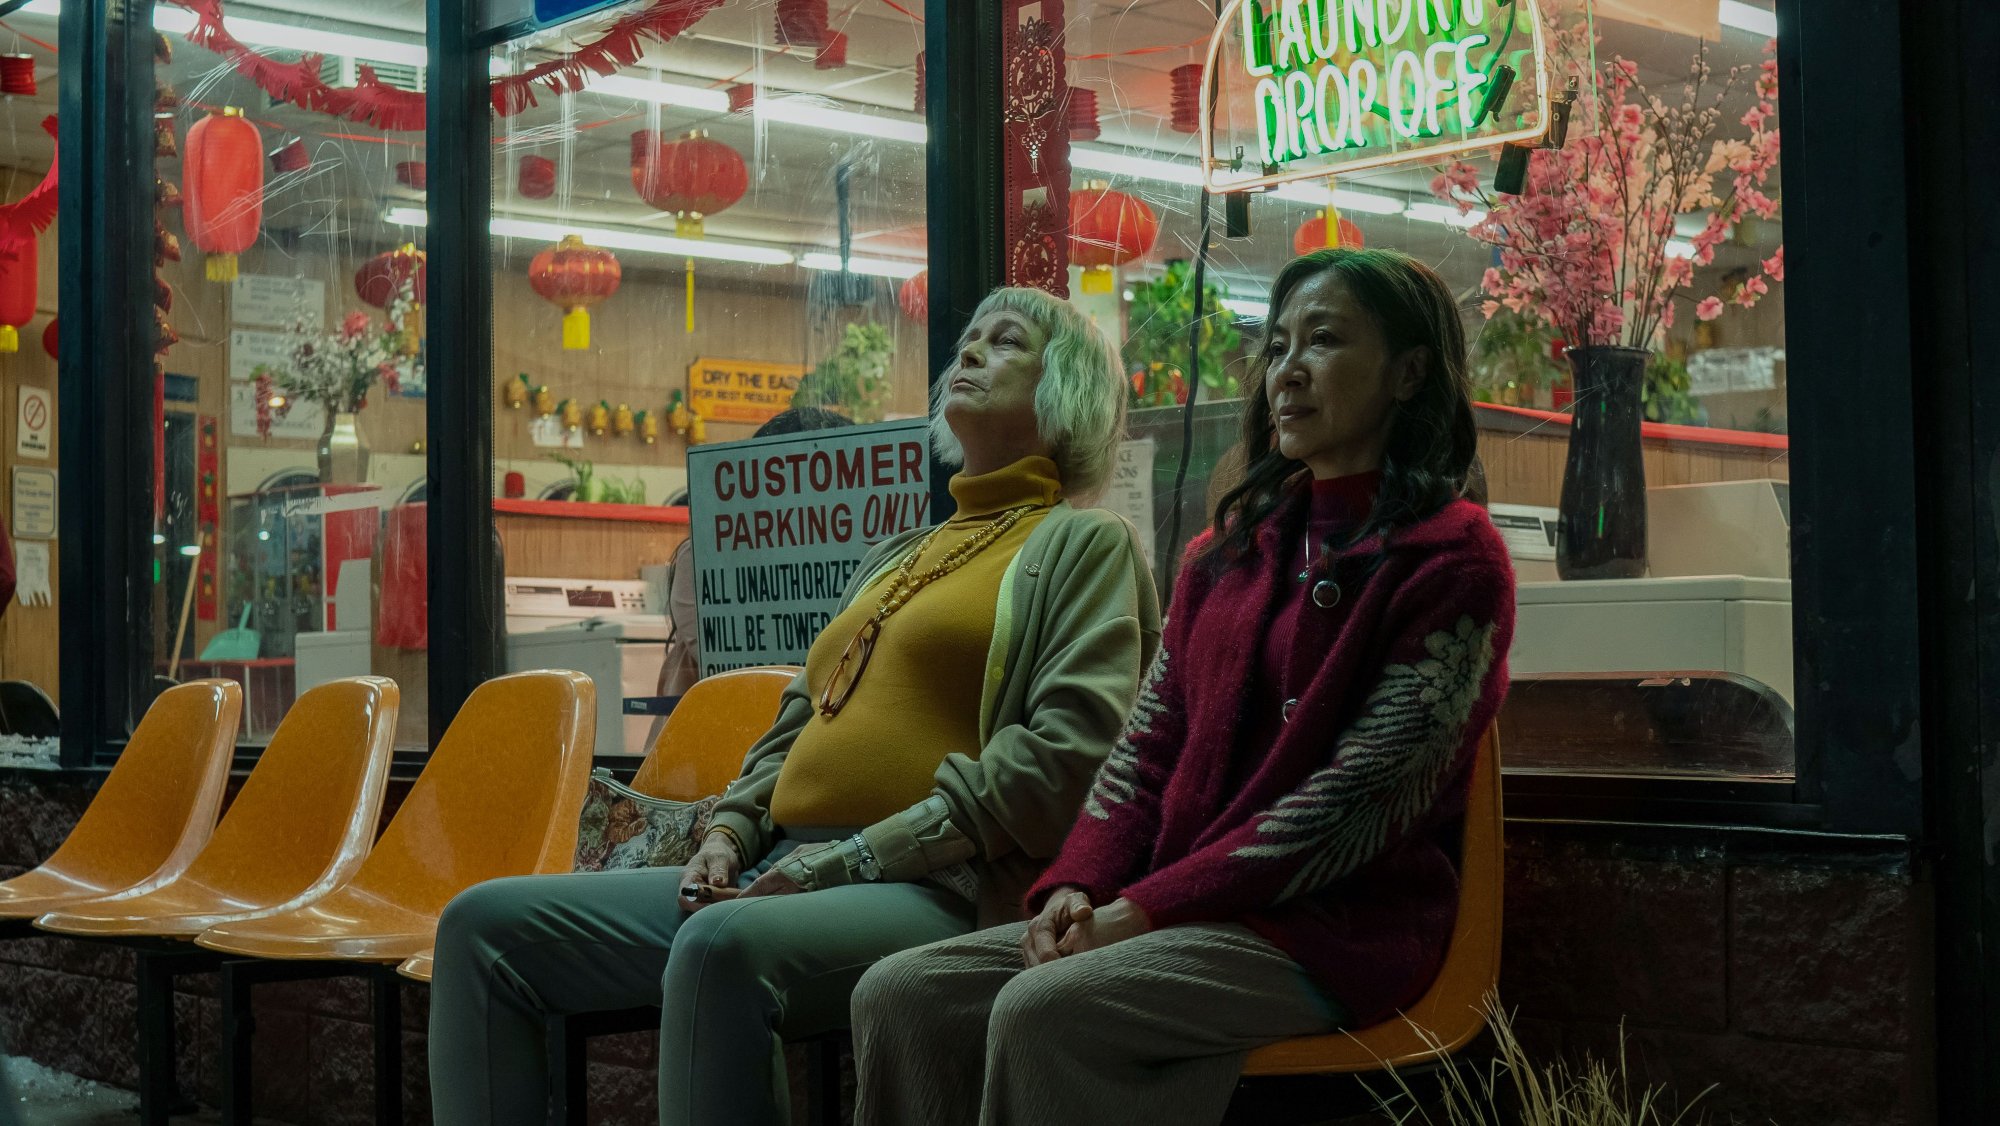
<point x="1151" y="1030"/>
<point x="731" y="980"/>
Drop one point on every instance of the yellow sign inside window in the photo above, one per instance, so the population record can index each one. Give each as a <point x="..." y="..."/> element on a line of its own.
<point x="1308" y="88"/>
<point x="749" y="391"/>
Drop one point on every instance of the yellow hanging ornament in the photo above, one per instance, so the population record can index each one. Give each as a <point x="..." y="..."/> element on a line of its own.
<point x="621" y="420"/>
<point x="600" y="418"/>
<point x="515" y="391"/>
<point x="697" y="431"/>
<point x="545" y="400"/>
<point x="678" y="414"/>
<point x="572" y="414"/>
<point x="649" y="427"/>
<point x="690" y="295"/>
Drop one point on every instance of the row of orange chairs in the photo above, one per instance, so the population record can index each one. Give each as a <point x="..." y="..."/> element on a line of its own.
<point x="292" y="883"/>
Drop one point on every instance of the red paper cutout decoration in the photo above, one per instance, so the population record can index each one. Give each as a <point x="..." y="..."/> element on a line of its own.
<point x="382" y="277"/>
<point x="290" y="156"/>
<point x="832" y="53"/>
<point x="1108" y="228"/>
<point x="923" y="91"/>
<point x="915" y="297"/>
<point x="1187" y="97"/>
<point x="224" y="171"/>
<point x="742" y="97"/>
<point x="537" y="179"/>
<point x="1083" y="114"/>
<point x="413" y="174"/>
<point x="574" y="276"/>
<point x="20" y="267"/>
<point x="690" y="178"/>
<point x="801" y="23"/>
<point x="17" y="75"/>
<point x="1311" y="235"/>
<point x="52" y="338"/>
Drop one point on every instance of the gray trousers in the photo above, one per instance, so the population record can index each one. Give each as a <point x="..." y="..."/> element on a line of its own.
<point x="1150" y="1030"/>
<point x="732" y="980"/>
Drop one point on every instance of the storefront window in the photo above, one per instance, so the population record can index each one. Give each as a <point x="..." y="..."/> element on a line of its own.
<point x="1662" y="643"/>
<point x="686" y="243"/>
<point x="289" y="529"/>
<point x="28" y="233"/>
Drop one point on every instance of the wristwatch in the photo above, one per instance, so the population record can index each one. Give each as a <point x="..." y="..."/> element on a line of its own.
<point x="870" y="871"/>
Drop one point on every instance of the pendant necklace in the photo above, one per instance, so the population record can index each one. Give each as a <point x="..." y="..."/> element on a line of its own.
<point x="1326" y="592"/>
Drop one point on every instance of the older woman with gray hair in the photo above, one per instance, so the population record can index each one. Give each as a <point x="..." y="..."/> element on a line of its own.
<point x="921" y="771"/>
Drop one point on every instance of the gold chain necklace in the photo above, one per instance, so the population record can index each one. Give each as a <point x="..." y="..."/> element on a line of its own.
<point x="903" y="587"/>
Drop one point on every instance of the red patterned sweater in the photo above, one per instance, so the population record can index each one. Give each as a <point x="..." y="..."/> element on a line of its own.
<point x="1337" y="841"/>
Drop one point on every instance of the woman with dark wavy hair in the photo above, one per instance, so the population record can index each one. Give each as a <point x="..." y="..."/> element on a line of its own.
<point x="1269" y="850"/>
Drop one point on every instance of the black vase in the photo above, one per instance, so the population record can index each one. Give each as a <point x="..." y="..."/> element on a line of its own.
<point x="1601" y="530"/>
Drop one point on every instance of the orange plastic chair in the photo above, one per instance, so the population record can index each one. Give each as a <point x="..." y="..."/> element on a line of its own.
<point x="299" y="828"/>
<point x="154" y="813"/>
<point x="500" y="797"/>
<point x="700" y="750"/>
<point x="1452" y="1011"/>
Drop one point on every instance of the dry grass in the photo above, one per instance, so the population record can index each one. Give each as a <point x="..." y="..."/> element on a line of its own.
<point x="1517" y="1091"/>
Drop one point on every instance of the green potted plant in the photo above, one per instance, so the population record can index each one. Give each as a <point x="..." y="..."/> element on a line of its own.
<point x="1156" y="350"/>
<point x="855" y="378"/>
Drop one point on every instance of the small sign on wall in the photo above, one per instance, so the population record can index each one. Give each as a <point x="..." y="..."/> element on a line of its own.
<point x="34" y="503"/>
<point x="748" y="391"/>
<point x="268" y="299"/>
<point x="35" y="423"/>
<point x="1130" y="493"/>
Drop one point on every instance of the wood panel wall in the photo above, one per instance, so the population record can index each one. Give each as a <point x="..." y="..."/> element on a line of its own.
<point x="1527" y="468"/>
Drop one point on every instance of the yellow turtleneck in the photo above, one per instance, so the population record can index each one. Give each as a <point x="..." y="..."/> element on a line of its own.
<point x="919" y="700"/>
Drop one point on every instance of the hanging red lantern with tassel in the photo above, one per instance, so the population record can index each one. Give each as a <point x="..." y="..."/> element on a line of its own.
<point x="690" y="178"/>
<point x="915" y="297"/>
<point x="20" y="265"/>
<point x="1082" y="114"/>
<point x="1186" y="81"/>
<point x="17" y="75"/>
<point x="1312" y="234"/>
<point x="1106" y="229"/>
<point x="224" y="177"/>
<point x="383" y="278"/>
<point x="574" y="276"/>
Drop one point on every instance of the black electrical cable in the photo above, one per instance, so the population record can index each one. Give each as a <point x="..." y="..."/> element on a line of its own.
<point x="1194" y="344"/>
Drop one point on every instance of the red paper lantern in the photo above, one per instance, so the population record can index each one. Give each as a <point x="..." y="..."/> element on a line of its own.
<point x="17" y="75"/>
<point x="690" y="178"/>
<point x="574" y="276"/>
<point x="915" y="297"/>
<point x="224" y="177"/>
<point x="382" y="277"/>
<point x="20" y="267"/>
<point x="1187" y="97"/>
<point x="1108" y="228"/>
<point x="290" y="156"/>
<point x="742" y="97"/>
<point x="1311" y="235"/>
<point x="538" y="177"/>
<point x="801" y="23"/>
<point x="832" y="53"/>
<point x="413" y="174"/>
<point x="52" y="338"/>
<point x="1083" y="114"/>
<point x="514" y="485"/>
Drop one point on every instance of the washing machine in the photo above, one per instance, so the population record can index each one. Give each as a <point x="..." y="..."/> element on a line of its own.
<point x="611" y="630"/>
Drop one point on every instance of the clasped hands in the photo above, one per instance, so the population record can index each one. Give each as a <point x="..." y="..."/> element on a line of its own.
<point x="1068" y="924"/>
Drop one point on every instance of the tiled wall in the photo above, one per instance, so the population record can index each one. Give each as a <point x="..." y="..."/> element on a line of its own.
<point x="1794" y="979"/>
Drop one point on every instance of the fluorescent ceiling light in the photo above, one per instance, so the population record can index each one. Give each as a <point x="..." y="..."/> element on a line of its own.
<point x="1440" y="213"/>
<point x="612" y="239"/>
<point x="1346" y="199"/>
<point x="1743" y="17"/>
<point x="815" y="113"/>
<point x="1188" y="175"/>
<point x="876" y="267"/>
<point x="1243" y="306"/>
<point x="665" y="93"/>
<point x="291" y="37"/>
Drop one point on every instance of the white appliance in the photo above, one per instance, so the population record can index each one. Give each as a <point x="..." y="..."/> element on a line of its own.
<point x="333" y="654"/>
<point x="611" y="630"/>
<point x="1722" y="623"/>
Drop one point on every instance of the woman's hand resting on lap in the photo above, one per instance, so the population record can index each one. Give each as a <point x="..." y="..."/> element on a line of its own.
<point x="1112" y="923"/>
<point x="1064" y="909"/>
<point x="772" y="882"/>
<point x="716" y="865"/>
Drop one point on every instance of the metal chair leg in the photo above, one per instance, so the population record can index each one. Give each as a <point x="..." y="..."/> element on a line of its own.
<point x="157" y="1094"/>
<point x="388" y="1012"/>
<point x="239" y="1024"/>
<point x="823" y="1081"/>
<point x="570" y="1056"/>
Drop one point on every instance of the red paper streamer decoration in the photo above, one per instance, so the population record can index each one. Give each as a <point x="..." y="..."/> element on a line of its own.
<point x="801" y="23"/>
<point x="574" y="276"/>
<point x="413" y="173"/>
<point x="833" y="53"/>
<point x="538" y="177"/>
<point x="690" y="178"/>
<point x="1083" y="114"/>
<point x="1108" y="228"/>
<point x="742" y="97"/>
<point x="52" y="338"/>
<point x="208" y="513"/>
<point x="17" y="75"/>
<point x="20" y="269"/>
<point x="224" y="171"/>
<point x="290" y="156"/>
<point x="1187" y="97"/>
<point x="1311" y="235"/>
<point x="915" y="297"/>
<point x="32" y="213"/>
